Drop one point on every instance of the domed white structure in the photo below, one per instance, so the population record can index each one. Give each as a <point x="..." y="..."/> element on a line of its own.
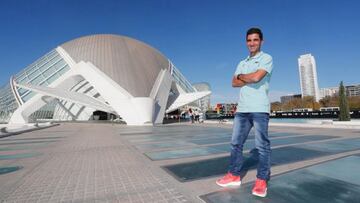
<point x="109" y="73"/>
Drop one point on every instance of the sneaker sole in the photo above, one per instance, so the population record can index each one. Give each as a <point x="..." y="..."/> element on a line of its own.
<point x="260" y="195"/>
<point x="229" y="184"/>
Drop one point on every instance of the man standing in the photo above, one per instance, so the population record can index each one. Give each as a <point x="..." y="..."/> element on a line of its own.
<point x="252" y="76"/>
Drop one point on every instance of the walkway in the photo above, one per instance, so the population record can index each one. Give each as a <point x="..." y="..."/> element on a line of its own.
<point x="87" y="162"/>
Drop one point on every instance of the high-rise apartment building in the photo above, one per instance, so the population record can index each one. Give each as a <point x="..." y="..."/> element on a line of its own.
<point x="353" y="90"/>
<point x="308" y="76"/>
<point x="328" y="91"/>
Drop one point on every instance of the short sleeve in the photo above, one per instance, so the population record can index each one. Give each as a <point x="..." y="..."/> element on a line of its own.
<point x="238" y="69"/>
<point x="266" y="63"/>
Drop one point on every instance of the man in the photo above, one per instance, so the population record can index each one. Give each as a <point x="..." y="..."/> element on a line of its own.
<point x="252" y="76"/>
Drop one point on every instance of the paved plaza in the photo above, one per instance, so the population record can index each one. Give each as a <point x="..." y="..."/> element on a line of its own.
<point x="104" y="162"/>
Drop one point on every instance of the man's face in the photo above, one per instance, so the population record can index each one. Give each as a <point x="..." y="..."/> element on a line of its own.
<point x="253" y="43"/>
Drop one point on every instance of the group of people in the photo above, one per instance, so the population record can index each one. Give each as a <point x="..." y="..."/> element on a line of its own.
<point x="195" y="116"/>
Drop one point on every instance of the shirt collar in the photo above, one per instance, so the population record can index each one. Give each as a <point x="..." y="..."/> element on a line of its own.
<point x="254" y="57"/>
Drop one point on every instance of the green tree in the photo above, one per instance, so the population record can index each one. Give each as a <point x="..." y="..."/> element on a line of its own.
<point x="343" y="104"/>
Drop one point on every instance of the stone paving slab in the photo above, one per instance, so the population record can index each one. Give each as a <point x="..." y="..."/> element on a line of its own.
<point x="332" y="181"/>
<point x="102" y="162"/>
<point x="92" y="164"/>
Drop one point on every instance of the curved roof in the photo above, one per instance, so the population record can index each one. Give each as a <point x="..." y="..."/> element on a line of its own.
<point x="134" y="65"/>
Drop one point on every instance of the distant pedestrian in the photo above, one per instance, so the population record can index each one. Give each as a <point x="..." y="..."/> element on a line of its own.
<point x="201" y="117"/>
<point x="196" y="115"/>
<point x="252" y="76"/>
<point x="191" y="115"/>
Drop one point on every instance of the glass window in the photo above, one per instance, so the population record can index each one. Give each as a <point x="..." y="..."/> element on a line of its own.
<point x="34" y="74"/>
<point x="42" y="61"/>
<point x="22" y="81"/>
<point x="44" y="83"/>
<point x="21" y="78"/>
<point x="63" y="70"/>
<point x="21" y="75"/>
<point x="37" y="80"/>
<point x="21" y="91"/>
<point x="55" y="58"/>
<point x="31" y="69"/>
<point x="52" y="78"/>
<point x="53" y="55"/>
<point x="28" y="96"/>
<point x="59" y="64"/>
<point x="48" y="72"/>
<point x="44" y="67"/>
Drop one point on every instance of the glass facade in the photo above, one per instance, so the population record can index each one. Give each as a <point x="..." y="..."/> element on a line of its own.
<point x="181" y="80"/>
<point x="8" y="103"/>
<point x="66" y="110"/>
<point x="44" y="113"/>
<point x="42" y="72"/>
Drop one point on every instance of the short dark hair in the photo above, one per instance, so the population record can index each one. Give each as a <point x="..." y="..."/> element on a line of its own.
<point x="255" y="30"/>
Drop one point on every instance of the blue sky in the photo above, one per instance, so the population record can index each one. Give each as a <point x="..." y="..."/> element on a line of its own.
<point x="205" y="39"/>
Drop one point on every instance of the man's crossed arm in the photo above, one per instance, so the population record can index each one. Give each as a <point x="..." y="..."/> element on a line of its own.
<point x="243" y="79"/>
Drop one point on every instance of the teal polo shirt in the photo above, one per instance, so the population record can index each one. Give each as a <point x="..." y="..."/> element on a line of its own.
<point x="254" y="97"/>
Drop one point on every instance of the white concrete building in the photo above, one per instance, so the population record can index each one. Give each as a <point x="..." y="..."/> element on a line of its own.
<point x="329" y="91"/>
<point x="108" y="73"/>
<point x="351" y="91"/>
<point x="308" y="76"/>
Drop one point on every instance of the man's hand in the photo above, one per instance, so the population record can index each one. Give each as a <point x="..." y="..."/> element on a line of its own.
<point x="237" y="83"/>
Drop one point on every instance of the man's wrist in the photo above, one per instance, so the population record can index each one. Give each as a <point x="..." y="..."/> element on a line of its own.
<point x="239" y="77"/>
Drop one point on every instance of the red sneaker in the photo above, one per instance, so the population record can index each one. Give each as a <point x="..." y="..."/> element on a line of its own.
<point x="260" y="188"/>
<point x="229" y="180"/>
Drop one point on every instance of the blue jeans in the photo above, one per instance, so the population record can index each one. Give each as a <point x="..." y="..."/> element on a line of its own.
<point x="243" y="122"/>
